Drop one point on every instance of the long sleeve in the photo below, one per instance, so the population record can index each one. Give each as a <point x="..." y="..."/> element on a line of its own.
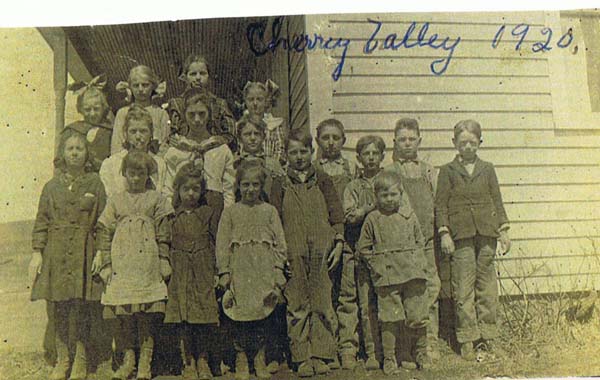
<point x="118" y="136"/>
<point x="351" y="204"/>
<point x="105" y="229"/>
<point x="494" y="189"/>
<point x="163" y="236"/>
<point x="276" y="195"/>
<point x="228" y="180"/>
<point x="163" y="214"/>
<point x="334" y="204"/>
<point x="365" y="242"/>
<point x="219" y="173"/>
<point x="442" y="197"/>
<point x="42" y="222"/>
<point x="224" y="235"/>
<point x="280" y="244"/>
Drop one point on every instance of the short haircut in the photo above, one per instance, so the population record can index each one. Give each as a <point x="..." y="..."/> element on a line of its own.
<point x="367" y="140"/>
<point x="186" y="173"/>
<point x="251" y="166"/>
<point x="145" y="71"/>
<point x="301" y="135"/>
<point x="259" y="85"/>
<point x="407" y="123"/>
<point x="194" y="58"/>
<point x="330" y="123"/>
<point x="246" y="121"/>
<point x="195" y="96"/>
<point x="138" y="113"/>
<point x="468" y="125"/>
<point x="92" y="92"/>
<point x="67" y="134"/>
<point x="139" y="160"/>
<point x="385" y="180"/>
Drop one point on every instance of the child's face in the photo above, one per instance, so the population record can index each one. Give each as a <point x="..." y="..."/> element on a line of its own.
<point x="138" y="135"/>
<point x="370" y="157"/>
<point x="467" y="144"/>
<point x="299" y="155"/>
<point x="406" y="143"/>
<point x="136" y="179"/>
<point x="196" y="115"/>
<point x="250" y="187"/>
<point x="256" y="101"/>
<point x="74" y="152"/>
<point x="141" y="87"/>
<point x="92" y="109"/>
<point x="252" y="138"/>
<point x="197" y="75"/>
<point x="189" y="193"/>
<point x="331" y="140"/>
<point x="389" y="199"/>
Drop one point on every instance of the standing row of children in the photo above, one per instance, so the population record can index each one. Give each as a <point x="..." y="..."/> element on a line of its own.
<point x="197" y="220"/>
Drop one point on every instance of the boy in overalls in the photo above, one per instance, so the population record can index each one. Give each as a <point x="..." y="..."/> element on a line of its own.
<point x="331" y="139"/>
<point x="419" y="180"/>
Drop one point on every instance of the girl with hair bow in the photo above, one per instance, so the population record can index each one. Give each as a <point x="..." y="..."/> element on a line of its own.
<point x="259" y="99"/>
<point x="96" y="125"/>
<point x="142" y="88"/>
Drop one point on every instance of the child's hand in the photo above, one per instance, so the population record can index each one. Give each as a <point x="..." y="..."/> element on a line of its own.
<point x="165" y="269"/>
<point x="35" y="266"/>
<point x="224" y="281"/>
<point x="447" y="244"/>
<point x="97" y="263"/>
<point x="334" y="256"/>
<point x="504" y="242"/>
<point x="106" y="274"/>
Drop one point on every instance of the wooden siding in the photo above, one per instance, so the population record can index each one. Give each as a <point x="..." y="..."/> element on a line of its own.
<point x="549" y="177"/>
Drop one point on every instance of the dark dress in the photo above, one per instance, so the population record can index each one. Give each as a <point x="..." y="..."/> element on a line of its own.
<point x="192" y="296"/>
<point x="63" y="232"/>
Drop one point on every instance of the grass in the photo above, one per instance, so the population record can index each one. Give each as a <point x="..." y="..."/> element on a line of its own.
<point x="547" y="335"/>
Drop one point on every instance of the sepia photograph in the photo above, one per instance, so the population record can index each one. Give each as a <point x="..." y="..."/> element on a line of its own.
<point x="391" y="195"/>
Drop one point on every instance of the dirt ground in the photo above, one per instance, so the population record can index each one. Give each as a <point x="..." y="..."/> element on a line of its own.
<point x="567" y="349"/>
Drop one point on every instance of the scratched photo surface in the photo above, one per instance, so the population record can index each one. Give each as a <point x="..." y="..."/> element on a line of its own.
<point x="531" y="80"/>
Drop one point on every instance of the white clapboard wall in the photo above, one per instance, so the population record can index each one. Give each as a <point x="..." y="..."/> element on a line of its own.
<point x="550" y="179"/>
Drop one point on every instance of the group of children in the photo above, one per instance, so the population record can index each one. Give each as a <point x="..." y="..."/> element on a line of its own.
<point x="183" y="216"/>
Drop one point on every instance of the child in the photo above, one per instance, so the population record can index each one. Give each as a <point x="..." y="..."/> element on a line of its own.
<point x="61" y="264"/>
<point x="312" y="218"/>
<point x="391" y="244"/>
<point x="192" y="300"/>
<point x="203" y="148"/>
<point x="142" y="87"/>
<point x="331" y="139"/>
<point x="259" y="98"/>
<point x="251" y="134"/>
<point x="251" y="255"/>
<point x="196" y="74"/>
<point x="95" y="126"/>
<point x="419" y="180"/>
<point x="359" y="200"/>
<point x="133" y="238"/>
<point x="138" y="130"/>
<point x="471" y="216"/>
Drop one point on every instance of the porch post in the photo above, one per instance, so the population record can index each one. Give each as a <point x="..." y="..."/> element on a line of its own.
<point x="60" y="83"/>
